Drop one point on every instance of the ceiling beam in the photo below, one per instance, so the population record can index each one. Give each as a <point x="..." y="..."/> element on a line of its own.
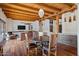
<point x="6" y="6"/>
<point x="26" y="16"/>
<point x="19" y="13"/>
<point x="33" y="7"/>
<point x="20" y="17"/>
<point x="24" y="9"/>
<point x="69" y="4"/>
<point x="46" y="9"/>
<point x="61" y="6"/>
<point x="55" y="9"/>
<point x="64" y="11"/>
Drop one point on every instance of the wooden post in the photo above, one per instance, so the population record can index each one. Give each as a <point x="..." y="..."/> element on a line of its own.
<point x="56" y="34"/>
<point x="57" y="23"/>
<point x="57" y="31"/>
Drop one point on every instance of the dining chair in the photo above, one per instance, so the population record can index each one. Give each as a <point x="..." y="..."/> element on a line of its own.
<point x="49" y="45"/>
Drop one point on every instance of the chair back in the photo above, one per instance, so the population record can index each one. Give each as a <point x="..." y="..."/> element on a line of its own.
<point x="23" y="36"/>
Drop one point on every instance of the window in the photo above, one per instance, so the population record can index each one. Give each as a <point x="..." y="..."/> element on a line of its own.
<point x="74" y="18"/>
<point x="60" y="28"/>
<point x="51" y="25"/>
<point x="69" y="19"/>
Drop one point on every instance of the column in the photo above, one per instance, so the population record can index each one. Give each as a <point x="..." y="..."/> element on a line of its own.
<point x="57" y="24"/>
<point x="56" y="34"/>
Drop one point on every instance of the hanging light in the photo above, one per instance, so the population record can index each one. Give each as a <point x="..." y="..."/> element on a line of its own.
<point x="41" y="13"/>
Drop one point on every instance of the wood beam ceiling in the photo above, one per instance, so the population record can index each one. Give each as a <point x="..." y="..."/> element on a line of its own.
<point x="35" y="7"/>
<point x="29" y="11"/>
<point x="20" y="8"/>
<point x="17" y="11"/>
<point x="21" y="17"/>
<point x="60" y="6"/>
<point x="40" y="5"/>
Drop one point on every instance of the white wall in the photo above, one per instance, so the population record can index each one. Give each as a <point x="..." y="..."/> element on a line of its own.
<point x="1" y="30"/>
<point x="77" y="18"/>
<point x="2" y="15"/>
<point x="69" y="27"/>
<point x="46" y="25"/>
<point x="70" y="40"/>
<point x="4" y="18"/>
<point x="35" y="25"/>
<point x="12" y="24"/>
<point x="69" y="30"/>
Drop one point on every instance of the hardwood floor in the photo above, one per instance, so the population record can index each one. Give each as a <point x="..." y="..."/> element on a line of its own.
<point x="66" y="50"/>
<point x="62" y="50"/>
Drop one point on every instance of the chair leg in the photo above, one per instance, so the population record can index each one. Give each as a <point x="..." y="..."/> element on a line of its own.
<point x="48" y="53"/>
<point x="36" y="51"/>
<point x="28" y="52"/>
<point x="55" y="53"/>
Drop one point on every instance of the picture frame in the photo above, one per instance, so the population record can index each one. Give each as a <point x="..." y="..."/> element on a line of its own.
<point x="70" y="19"/>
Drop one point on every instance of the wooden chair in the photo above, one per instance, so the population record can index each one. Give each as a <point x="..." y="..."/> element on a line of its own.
<point x="53" y="45"/>
<point x="49" y="45"/>
<point x="45" y="45"/>
<point x="23" y="36"/>
<point x="1" y="50"/>
<point x="32" y="48"/>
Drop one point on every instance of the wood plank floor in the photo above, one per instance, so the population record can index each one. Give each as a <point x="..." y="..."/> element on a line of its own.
<point x="62" y="50"/>
<point x="66" y="50"/>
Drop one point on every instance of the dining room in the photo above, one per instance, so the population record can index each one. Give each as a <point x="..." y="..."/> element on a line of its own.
<point x="38" y="29"/>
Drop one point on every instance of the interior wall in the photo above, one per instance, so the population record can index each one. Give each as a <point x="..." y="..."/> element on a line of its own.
<point x="70" y="40"/>
<point x="69" y="30"/>
<point x="2" y="15"/>
<point x="1" y="30"/>
<point x="4" y="19"/>
<point x="12" y="25"/>
<point x="46" y="25"/>
<point x="69" y="27"/>
<point x="35" y="25"/>
<point x="77" y="18"/>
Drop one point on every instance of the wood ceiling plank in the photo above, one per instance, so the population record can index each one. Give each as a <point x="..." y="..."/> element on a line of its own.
<point x="51" y="8"/>
<point x="38" y="6"/>
<point x="69" y="4"/>
<point x="10" y="6"/>
<point x="33" y="7"/>
<point x="20" y="17"/>
<point x="17" y="11"/>
<point x="61" y="6"/>
<point x="29" y="11"/>
<point x="24" y="9"/>
<point x="20" y="13"/>
<point x="26" y="16"/>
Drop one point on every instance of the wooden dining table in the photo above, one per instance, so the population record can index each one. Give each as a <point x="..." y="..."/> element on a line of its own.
<point x="15" y="48"/>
